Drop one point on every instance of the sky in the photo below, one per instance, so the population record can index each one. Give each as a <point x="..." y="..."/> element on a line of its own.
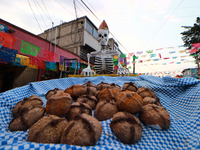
<point x="138" y="25"/>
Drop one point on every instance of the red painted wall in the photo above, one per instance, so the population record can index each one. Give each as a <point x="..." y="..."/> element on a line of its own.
<point x="22" y="34"/>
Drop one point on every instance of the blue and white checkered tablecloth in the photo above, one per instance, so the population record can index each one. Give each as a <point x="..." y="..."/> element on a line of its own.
<point x="181" y="98"/>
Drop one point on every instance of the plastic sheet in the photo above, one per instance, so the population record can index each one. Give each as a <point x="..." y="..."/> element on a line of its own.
<point x="29" y="48"/>
<point x="37" y="61"/>
<point x="3" y="28"/>
<point x="7" y="40"/>
<point x="51" y="66"/>
<point x="7" y="55"/>
<point x="49" y="56"/>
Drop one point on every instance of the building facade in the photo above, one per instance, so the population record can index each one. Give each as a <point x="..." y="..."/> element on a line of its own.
<point x="72" y="40"/>
<point x="26" y="45"/>
<point x="78" y="36"/>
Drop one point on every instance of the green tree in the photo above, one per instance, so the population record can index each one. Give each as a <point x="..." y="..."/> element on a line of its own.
<point x="192" y="34"/>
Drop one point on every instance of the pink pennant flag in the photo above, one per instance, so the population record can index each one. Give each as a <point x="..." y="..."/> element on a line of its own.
<point x="131" y="54"/>
<point x="196" y="45"/>
<point x="159" y="49"/>
<point x="159" y="55"/>
<point x="193" y="50"/>
<point x="166" y="58"/>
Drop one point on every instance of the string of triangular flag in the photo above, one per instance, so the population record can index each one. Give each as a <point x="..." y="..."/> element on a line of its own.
<point x="156" y="55"/>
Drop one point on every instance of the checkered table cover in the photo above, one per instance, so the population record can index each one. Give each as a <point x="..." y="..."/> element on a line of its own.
<point x="181" y="98"/>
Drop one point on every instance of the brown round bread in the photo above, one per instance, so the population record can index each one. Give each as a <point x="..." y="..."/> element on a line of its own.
<point x="97" y="95"/>
<point x="76" y="90"/>
<point x="102" y="86"/>
<point x="105" y="109"/>
<point x="26" y="118"/>
<point x="146" y="92"/>
<point x="47" y="130"/>
<point x="88" y="99"/>
<point x="129" y="101"/>
<point x="78" y="108"/>
<point x="89" y="83"/>
<point x="130" y="86"/>
<point x="28" y="102"/>
<point x="83" y="130"/>
<point x="151" y="100"/>
<point x="126" y="127"/>
<point x="59" y="104"/>
<point x="155" y="116"/>
<point x="113" y="85"/>
<point x="53" y="92"/>
<point x="91" y="88"/>
<point x="108" y="93"/>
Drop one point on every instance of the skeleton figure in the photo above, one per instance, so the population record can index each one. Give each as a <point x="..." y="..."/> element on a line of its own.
<point x="103" y="57"/>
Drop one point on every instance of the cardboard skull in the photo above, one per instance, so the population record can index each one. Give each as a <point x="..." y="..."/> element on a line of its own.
<point x="103" y="33"/>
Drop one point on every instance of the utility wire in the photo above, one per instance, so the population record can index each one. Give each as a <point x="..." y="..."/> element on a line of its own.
<point x="90" y="10"/>
<point x="100" y="22"/>
<point x="85" y="9"/>
<point x="80" y="9"/>
<point x="91" y="6"/>
<point x="89" y="13"/>
<point x="63" y="7"/>
<point x="35" y="16"/>
<point x="151" y="10"/>
<point x="40" y="13"/>
<point x="47" y="12"/>
<point x="163" y="24"/>
<point x="130" y="20"/>
<point x="42" y="10"/>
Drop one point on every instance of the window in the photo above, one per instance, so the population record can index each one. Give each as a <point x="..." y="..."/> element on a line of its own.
<point x="89" y="27"/>
<point x="95" y="33"/>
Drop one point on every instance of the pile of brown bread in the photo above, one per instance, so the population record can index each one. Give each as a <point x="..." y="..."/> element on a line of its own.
<point x="68" y="119"/>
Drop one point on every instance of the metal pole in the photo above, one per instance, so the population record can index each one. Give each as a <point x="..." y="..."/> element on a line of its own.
<point x="55" y="40"/>
<point x="134" y="64"/>
<point x="51" y="36"/>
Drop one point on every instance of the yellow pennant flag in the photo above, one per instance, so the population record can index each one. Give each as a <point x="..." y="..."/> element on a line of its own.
<point x="182" y="56"/>
<point x="182" y="51"/>
<point x="24" y="60"/>
<point x="115" y="57"/>
<point x="32" y="66"/>
<point x="143" y="55"/>
<point x="148" y="60"/>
